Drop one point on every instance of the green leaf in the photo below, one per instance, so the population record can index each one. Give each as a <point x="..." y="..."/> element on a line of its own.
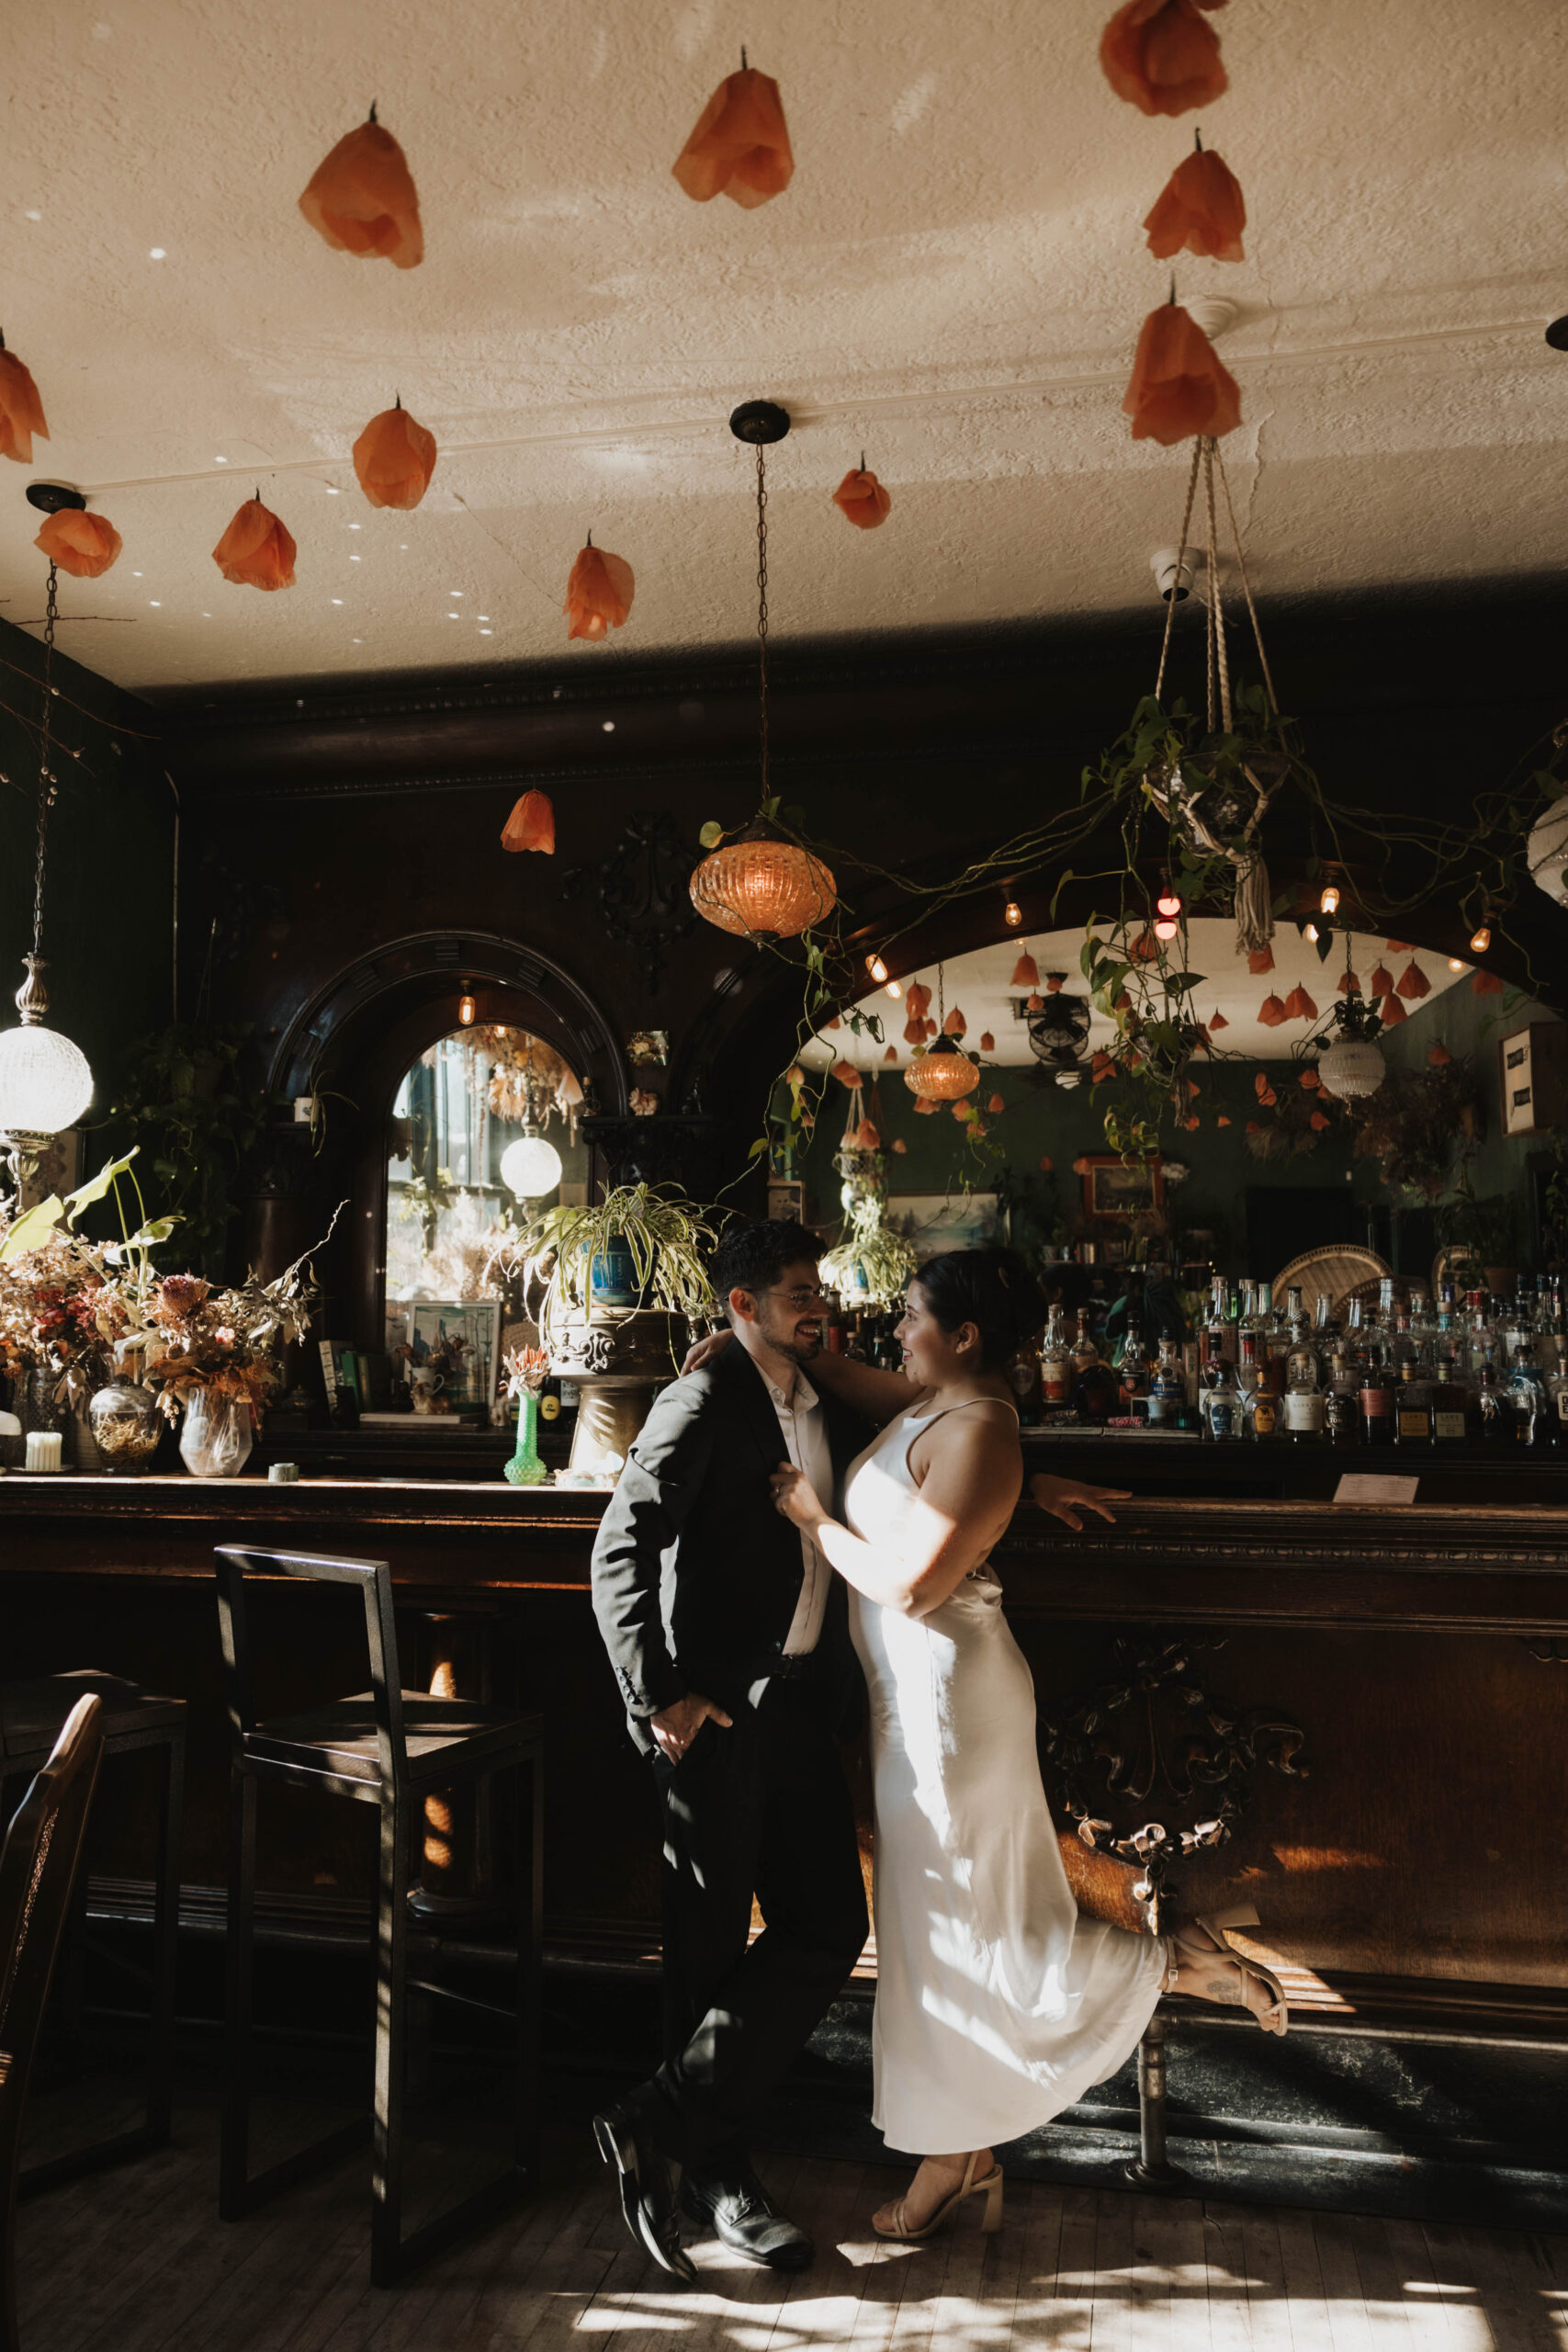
<point x="711" y="834"/>
<point x="97" y="1186"/>
<point x="757" y="1148"/>
<point x="34" y="1228"/>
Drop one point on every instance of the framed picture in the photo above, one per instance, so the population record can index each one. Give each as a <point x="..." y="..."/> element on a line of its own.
<point x="461" y="1338"/>
<point x="938" y="1221"/>
<point x="786" y="1198"/>
<point x="1112" y="1190"/>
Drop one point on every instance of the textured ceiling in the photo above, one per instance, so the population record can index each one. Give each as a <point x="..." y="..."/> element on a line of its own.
<point x="955" y="281"/>
<point x="977" y="985"/>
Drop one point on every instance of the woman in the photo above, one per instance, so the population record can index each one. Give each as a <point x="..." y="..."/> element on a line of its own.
<point x="997" y="2005"/>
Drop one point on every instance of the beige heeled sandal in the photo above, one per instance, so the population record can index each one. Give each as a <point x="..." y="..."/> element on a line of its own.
<point x="1274" y="2019"/>
<point x="990" y="2188"/>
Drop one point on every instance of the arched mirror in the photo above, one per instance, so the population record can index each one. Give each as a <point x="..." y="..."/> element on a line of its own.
<point x="484" y="1127"/>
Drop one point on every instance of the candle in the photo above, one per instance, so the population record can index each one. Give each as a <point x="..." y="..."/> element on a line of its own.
<point x="45" y="1448"/>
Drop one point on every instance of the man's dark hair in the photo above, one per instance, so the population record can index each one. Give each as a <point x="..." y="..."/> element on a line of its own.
<point x="753" y="1252"/>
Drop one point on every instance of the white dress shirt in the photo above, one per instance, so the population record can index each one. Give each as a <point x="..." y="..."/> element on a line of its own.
<point x="802" y="1427"/>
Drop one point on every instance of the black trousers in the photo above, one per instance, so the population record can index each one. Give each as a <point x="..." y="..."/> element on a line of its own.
<point x="762" y="1809"/>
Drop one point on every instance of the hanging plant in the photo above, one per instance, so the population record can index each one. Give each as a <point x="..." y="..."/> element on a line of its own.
<point x="1420" y="1126"/>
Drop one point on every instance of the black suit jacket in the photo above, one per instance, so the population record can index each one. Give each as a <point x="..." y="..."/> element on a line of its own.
<point x="695" y="1574"/>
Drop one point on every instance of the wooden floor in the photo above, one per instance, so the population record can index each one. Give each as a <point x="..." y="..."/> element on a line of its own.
<point x="137" y="2261"/>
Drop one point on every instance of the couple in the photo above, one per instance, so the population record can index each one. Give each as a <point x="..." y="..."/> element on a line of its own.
<point x="741" y="1606"/>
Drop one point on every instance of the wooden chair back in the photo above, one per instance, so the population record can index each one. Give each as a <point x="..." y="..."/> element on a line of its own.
<point x="37" y="1870"/>
<point x="374" y="1578"/>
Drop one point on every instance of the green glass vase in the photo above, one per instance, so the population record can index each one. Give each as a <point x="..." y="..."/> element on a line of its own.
<point x="525" y="1469"/>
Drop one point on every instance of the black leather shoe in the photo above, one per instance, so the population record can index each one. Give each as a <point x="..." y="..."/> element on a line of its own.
<point x="744" y="2216"/>
<point x="647" y="2193"/>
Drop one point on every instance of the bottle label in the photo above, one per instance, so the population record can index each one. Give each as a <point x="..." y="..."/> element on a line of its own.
<point x="1222" y="1419"/>
<point x="549" y="1408"/>
<point x="1339" y="1409"/>
<point x="1412" y="1423"/>
<point x="1303" y="1409"/>
<point x="1377" y="1404"/>
<point x="1263" y="1414"/>
<point x="1447" y="1425"/>
<point x="1056" y="1383"/>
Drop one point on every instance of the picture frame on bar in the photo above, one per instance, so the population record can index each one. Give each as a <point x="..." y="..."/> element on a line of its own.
<point x="936" y="1222"/>
<point x="1111" y="1189"/>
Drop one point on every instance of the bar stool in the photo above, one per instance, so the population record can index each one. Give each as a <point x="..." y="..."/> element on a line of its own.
<point x="386" y="1747"/>
<point x="32" y="1716"/>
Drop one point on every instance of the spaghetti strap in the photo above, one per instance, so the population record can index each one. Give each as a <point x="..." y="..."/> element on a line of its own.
<point x="930" y="1421"/>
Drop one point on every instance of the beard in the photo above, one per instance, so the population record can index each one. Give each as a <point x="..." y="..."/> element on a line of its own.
<point x="798" y="1348"/>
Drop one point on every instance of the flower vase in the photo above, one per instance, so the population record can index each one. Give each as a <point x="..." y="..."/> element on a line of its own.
<point x="525" y="1469"/>
<point x="215" y="1436"/>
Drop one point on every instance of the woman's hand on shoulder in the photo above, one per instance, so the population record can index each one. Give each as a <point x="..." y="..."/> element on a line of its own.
<point x="1065" y="1498"/>
<point x="703" y="1351"/>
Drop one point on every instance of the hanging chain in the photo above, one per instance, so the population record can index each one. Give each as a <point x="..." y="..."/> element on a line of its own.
<point x="762" y="606"/>
<point x="1216" y="599"/>
<point x="46" y="782"/>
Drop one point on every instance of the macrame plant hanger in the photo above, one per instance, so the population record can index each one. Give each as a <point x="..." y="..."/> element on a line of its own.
<point x="1254" y="897"/>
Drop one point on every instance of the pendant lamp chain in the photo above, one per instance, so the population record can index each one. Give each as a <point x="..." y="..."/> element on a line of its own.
<point x="47" y="786"/>
<point x="763" y="609"/>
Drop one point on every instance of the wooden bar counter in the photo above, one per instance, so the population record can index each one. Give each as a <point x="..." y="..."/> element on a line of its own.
<point x="1410" y="1854"/>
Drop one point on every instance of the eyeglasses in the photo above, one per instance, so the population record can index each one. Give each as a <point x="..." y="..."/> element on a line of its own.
<point x="799" y="1297"/>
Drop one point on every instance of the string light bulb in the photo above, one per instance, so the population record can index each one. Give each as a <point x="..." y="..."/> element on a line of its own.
<point x="1310" y="932"/>
<point x="1168" y="903"/>
<point x="1455" y="965"/>
<point x="465" y="1012"/>
<point x="877" y="968"/>
<point x="1481" y="938"/>
<point x="1012" y="914"/>
<point x="1329" y="902"/>
<point x="894" y="991"/>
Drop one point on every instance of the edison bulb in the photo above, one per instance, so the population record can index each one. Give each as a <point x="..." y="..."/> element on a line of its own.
<point x="530" y="1166"/>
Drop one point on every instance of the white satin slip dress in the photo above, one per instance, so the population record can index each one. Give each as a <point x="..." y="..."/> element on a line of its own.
<point x="997" y="2004"/>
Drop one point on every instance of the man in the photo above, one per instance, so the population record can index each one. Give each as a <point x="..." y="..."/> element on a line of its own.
<point x="728" y="1634"/>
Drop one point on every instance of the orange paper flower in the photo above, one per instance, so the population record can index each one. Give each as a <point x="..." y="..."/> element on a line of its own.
<point x="1261" y="1087"/>
<point x="914" y="1033"/>
<point x="1271" y="1012"/>
<point x="1216" y="1020"/>
<point x="532" y="825"/>
<point x="1412" y="981"/>
<point x="890" y="1053"/>
<point x="1046" y="1163"/>
<point x="1486" y="984"/>
<point x="1310" y="1079"/>
<point x="1253" y="1127"/>
<point x="1349" y="985"/>
<point x="394" y="458"/>
<point x="988" y="1043"/>
<point x="21" y="410"/>
<point x="860" y="497"/>
<point x="1223" y="1119"/>
<point x="930" y="1028"/>
<point x="739" y="147"/>
<point x="363" y="199"/>
<point x="955" y="1024"/>
<point x="924" y="1106"/>
<point x="996" y="1104"/>
<point x="1161" y="57"/>
<point x="1179" y="385"/>
<point x="918" y="1000"/>
<point x="84" y="545"/>
<point x="1200" y="210"/>
<point x="1035" y="1003"/>
<point x="598" y="594"/>
<point x="834" y="1022"/>
<point x="1261" y="960"/>
<point x="1025" y="973"/>
<point x="1399" y="946"/>
<point x="866" y="1137"/>
<point x="1299" y="1006"/>
<point x="1054" y="982"/>
<point x="1317" y="1122"/>
<point x="898" y="1143"/>
<point x="847" y="1075"/>
<point x="1382" y="981"/>
<point x="256" y="551"/>
<point x="962" y="1111"/>
<point x="1440" y="1055"/>
<point x="1391" y="1012"/>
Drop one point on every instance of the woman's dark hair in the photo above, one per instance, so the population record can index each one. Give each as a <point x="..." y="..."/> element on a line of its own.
<point x="994" y="1290"/>
<point x="753" y="1252"/>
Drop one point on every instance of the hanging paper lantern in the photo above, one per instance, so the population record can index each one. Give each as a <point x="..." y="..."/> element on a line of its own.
<point x="85" y="545"/>
<point x="1299" y="1006"/>
<point x="1486" y="984"/>
<point x="741" y="147"/>
<point x="532" y="825"/>
<point x="1161" y="57"/>
<point x="860" y="498"/>
<point x="1216" y="1020"/>
<point x="1259" y="960"/>
<point x="1412" y="982"/>
<point x="847" y="1075"/>
<point x="914" y="1033"/>
<point x="1393" y="1011"/>
<point x="362" y="200"/>
<point x="763" y="885"/>
<point x="918" y="1000"/>
<point x="955" y="1024"/>
<point x="598" y="594"/>
<point x="1440" y="1055"/>
<point x="1271" y="1012"/>
<point x="941" y="1073"/>
<point x="1200" y="210"/>
<point x="1025" y="973"/>
<point x="996" y="1104"/>
<point x="1349" y="985"/>
<point x="1352" y="1067"/>
<point x="890" y="1054"/>
<point x="1179" y="385"/>
<point x="21" y="410"/>
<point x="988" y="1043"/>
<point x="394" y="458"/>
<point x="256" y="551"/>
<point x="1382" y="981"/>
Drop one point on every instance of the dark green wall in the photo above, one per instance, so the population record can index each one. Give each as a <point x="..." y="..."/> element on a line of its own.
<point x="108" y="892"/>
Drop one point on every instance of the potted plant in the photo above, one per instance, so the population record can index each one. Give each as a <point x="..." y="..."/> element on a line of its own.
<point x="1480" y="1233"/>
<point x="642" y="1245"/>
<point x="872" y="1261"/>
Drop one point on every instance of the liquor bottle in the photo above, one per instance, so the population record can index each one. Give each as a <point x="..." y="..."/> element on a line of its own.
<point x="1341" y="1404"/>
<point x="1085" y="1352"/>
<point x="1305" y="1416"/>
<point x="1135" y="1369"/>
<point x="1528" y="1399"/>
<point x="1023" y="1379"/>
<point x="1260" y="1407"/>
<point x="1377" y="1411"/>
<point x="1413" y="1404"/>
<point x="1276" y="1339"/>
<point x="1168" y="1386"/>
<point x="1097" y="1392"/>
<point x="1557" y="1389"/>
<point x="1448" y="1400"/>
<point x="1221" y="1405"/>
<point x="1493" y="1423"/>
<point x="1302" y="1368"/>
<point x="1055" y="1366"/>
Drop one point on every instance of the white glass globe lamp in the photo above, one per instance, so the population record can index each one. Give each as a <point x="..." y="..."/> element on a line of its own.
<point x="1352" y="1067"/>
<point x="530" y="1166"/>
<point x="45" y="1081"/>
<point x="1547" y="852"/>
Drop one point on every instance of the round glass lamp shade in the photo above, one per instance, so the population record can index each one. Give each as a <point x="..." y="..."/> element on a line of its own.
<point x="763" y="886"/>
<point x="941" y="1073"/>
<point x="530" y="1166"/>
<point x="45" y="1083"/>
<point x="1548" y="851"/>
<point x="1352" y="1067"/>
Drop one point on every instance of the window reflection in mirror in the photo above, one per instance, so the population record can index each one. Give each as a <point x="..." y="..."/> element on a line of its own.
<point x="454" y="1165"/>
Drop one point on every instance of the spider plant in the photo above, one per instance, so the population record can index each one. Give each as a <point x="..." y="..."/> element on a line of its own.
<point x="872" y="1261"/>
<point x="668" y="1238"/>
